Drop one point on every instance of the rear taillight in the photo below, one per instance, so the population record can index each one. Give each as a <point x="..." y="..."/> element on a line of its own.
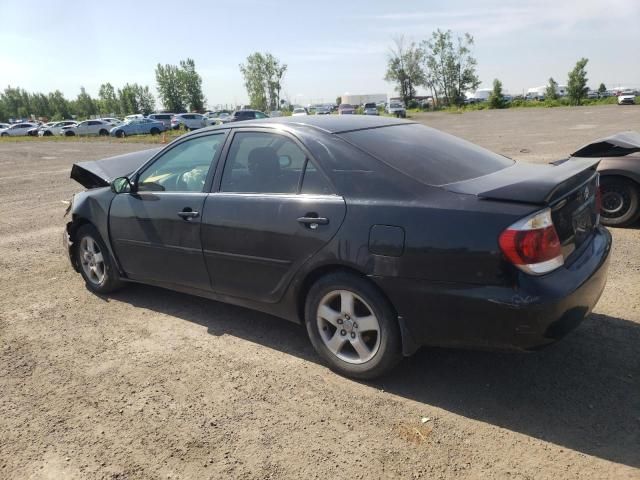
<point x="532" y="244"/>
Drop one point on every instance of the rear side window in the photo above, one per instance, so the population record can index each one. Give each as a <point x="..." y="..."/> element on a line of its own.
<point x="428" y="155"/>
<point x="260" y="162"/>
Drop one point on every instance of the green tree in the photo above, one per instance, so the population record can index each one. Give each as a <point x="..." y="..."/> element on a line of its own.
<point x="577" y="86"/>
<point x="108" y="103"/>
<point x="602" y="88"/>
<point x="84" y="105"/>
<point x="496" y="98"/>
<point x="404" y="68"/>
<point x="451" y="68"/>
<point x="146" y="101"/>
<point x="59" y="105"/>
<point x="128" y="99"/>
<point x="191" y="85"/>
<point x="551" y="92"/>
<point x="40" y="105"/>
<point x="263" y="74"/>
<point x="338" y="100"/>
<point x="170" y="89"/>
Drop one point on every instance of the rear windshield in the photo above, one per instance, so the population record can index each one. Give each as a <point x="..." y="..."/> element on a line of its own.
<point x="431" y="157"/>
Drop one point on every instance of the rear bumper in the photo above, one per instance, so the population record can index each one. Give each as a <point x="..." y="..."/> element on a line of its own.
<point x="539" y="311"/>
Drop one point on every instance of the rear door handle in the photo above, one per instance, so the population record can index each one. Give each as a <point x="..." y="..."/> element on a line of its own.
<point x="187" y="215"/>
<point x="313" y="222"/>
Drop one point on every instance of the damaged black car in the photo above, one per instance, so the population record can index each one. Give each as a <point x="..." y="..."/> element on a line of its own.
<point x="379" y="235"/>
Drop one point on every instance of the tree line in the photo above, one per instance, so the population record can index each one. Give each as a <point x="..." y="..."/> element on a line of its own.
<point x="444" y="65"/>
<point x="179" y="90"/>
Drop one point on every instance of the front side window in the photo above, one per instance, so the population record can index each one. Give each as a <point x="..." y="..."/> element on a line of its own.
<point x="260" y="162"/>
<point x="184" y="168"/>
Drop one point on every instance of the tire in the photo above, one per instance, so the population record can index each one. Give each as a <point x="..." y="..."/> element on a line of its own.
<point x="620" y="198"/>
<point x="94" y="260"/>
<point x="120" y="134"/>
<point x="4" y="134"/>
<point x="154" y="131"/>
<point x="69" y="134"/>
<point x="47" y="134"/>
<point x="334" y="306"/>
<point x="103" y="133"/>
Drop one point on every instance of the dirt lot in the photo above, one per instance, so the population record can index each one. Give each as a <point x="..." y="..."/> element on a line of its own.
<point x="154" y="384"/>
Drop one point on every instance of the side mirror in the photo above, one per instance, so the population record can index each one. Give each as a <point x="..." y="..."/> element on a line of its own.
<point x="121" y="185"/>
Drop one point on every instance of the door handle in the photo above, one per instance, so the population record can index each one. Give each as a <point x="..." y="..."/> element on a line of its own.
<point x="313" y="222"/>
<point x="187" y="214"/>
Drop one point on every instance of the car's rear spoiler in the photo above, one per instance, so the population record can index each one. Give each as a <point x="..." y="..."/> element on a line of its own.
<point x="617" y="145"/>
<point x="528" y="182"/>
<point x="100" y="173"/>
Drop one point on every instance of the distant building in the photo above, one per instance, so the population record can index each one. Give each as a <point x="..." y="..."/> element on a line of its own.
<point x="538" y="92"/>
<point x="365" y="98"/>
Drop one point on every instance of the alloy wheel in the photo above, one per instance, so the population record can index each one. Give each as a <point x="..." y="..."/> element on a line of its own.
<point x="348" y="326"/>
<point x="92" y="260"/>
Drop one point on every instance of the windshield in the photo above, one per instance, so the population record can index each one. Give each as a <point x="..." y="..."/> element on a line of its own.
<point x="345" y="105"/>
<point x="428" y="155"/>
<point x="396" y="105"/>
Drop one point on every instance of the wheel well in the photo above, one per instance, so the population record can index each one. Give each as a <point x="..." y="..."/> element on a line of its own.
<point x="313" y="276"/>
<point x="619" y="176"/>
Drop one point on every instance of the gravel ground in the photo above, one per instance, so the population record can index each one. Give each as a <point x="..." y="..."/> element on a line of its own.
<point x="149" y="383"/>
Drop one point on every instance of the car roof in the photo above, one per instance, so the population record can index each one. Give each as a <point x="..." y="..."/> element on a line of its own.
<point x="325" y="123"/>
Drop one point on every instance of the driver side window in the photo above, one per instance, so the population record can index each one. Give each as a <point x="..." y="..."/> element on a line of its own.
<point x="184" y="168"/>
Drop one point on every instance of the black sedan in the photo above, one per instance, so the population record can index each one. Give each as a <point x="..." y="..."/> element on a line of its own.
<point x="379" y="234"/>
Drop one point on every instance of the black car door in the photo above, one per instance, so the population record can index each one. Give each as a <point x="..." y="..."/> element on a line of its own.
<point x="156" y="230"/>
<point x="273" y="210"/>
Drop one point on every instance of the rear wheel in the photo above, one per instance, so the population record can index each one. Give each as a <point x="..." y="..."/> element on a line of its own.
<point x="620" y="201"/>
<point x="103" y="133"/>
<point x="47" y="133"/>
<point x="69" y="134"/>
<point x="352" y="326"/>
<point x="120" y="134"/>
<point x="154" y="131"/>
<point x="96" y="266"/>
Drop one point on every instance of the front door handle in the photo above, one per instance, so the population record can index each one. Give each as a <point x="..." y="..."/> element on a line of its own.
<point x="313" y="222"/>
<point x="188" y="214"/>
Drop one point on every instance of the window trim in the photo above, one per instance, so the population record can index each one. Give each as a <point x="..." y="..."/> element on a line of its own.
<point x="217" y="181"/>
<point x="212" y="171"/>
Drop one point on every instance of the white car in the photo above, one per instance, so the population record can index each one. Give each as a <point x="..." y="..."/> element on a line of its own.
<point x="88" y="127"/>
<point x="162" y="117"/>
<point x="135" y="116"/>
<point x="55" y="127"/>
<point x="190" y="121"/>
<point x="626" y="98"/>
<point x="17" y="129"/>
<point x="298" y="112"/>
<point x="113" y="121"/>
<point x="4" y="125"/>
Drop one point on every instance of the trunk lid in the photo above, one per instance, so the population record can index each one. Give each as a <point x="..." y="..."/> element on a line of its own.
<point x="100" y="173"/>
<point x="569" y="190"/>
<point x="617" y="145"/>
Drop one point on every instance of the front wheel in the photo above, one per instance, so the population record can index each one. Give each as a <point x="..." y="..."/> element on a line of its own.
<point x="154" y="131"/>
<point x="620" y="201"/>
<point x="120" y="134"/>
<point x="103" y="133"/>
<point x="93" y="258"/>
<point x="352" y="326"/>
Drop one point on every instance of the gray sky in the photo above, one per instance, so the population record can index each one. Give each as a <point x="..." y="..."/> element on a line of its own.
<point x="331" y="47"/>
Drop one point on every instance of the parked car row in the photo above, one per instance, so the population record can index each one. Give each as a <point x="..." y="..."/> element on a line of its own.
<point x="137" y="124"/>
